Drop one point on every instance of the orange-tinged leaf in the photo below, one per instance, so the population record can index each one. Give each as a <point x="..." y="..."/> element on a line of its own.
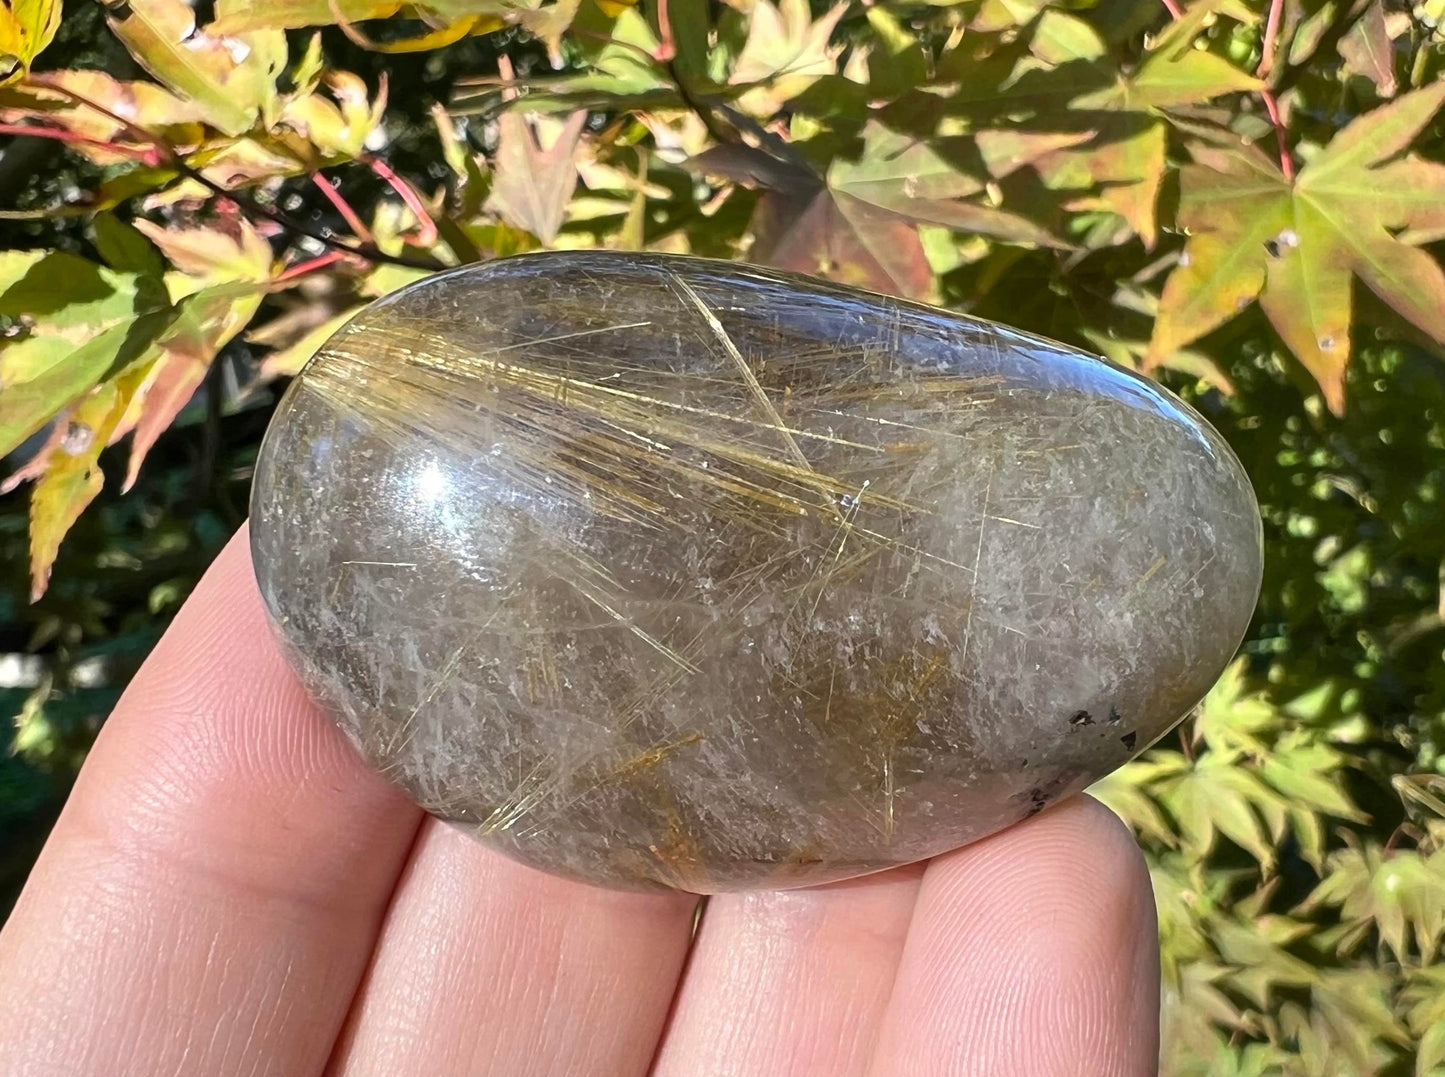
<point x="1236" y="205"/>
<point x="1129" y="171"/>
<point x="47" y="98"/>
<point x="1216" y="278"/>
<point x="230" y="252"/>
<point x="1405" y="277"/>
<point x="1227" y="188"/>
<point x="1344" y="214"/>
<point x="207" y="322"/>
<point x="288" y="359"/>
<point x="532" y="182"/>
<point x="842" y="238"/>
<point x="1307" y="299"/>
<point x="68" y="475"/>
<point x="1005" y="151"/>
<point x="927" y="183"/>
<point x="1410" y="194"/>
<point x="1368" y="51"/>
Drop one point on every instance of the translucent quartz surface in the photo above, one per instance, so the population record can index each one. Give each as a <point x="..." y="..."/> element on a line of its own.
<point x="656" y="571"/>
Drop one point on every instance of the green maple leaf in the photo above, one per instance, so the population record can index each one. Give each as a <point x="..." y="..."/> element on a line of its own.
<point x="1124" y="167"/>
<point x="1357" y="209"/>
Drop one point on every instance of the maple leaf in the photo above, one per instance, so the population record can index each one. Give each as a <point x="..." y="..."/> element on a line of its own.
<point x="785" y="52"/>
<point x="1355" y="210"/>
<point x="26" y="27"/>
<point x="1123" y="167"/>
<point x="230" y="78"/>
<point x="858" y="221"/>
<point x="83" y="322"/>
<point x="1369" y="51"/>
<point x="205" y="323"/>
<point x="66" y="469"/>
<point x="532" y="182"/>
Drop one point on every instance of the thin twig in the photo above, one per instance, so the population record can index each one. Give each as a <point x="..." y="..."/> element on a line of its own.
<point x="1281" y="137"/>
<point x="22" y="130"/>
<point x="343" y="207"/>
<point x="310" y="265"/>
<point x="367" y="251"/>
<point x="666" y="47"/>
<point x="1271" y="30"/>
<point x="1271" y="104"/>
<point x="409" y="196"/>
<point x="1175" y="11"/>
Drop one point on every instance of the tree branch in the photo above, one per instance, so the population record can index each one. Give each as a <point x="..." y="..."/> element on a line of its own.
<point x="167" y="157"/>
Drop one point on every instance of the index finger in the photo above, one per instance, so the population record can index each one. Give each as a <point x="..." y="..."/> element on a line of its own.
<point x="212" y="890"/>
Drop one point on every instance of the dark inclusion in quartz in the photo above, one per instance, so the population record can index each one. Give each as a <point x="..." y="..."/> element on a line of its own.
<point x="656" y="571"/>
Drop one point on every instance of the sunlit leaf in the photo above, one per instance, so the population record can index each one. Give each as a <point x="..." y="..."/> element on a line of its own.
<point x="996" y="15"/>
<point x="205" y="323"/>
<point x="1128" y="167"/>
<point x="1307" y="296"/>
<point x="231" y="78"/>
<point x="337" y="123"/>
<point x="26" y="27"/>
<point x="71" y="477"/>
<point x="234" y="252"/>
<point x="1298" y="246"/>
<point x="83" y="321"/>
<point x="535" y="171"/>
<point x="1424" y="996"/>
<point x="239" y="16"/>
<point x="786" y="52"/>
<point x="1372" y="138"/>
<point x="1216" y="796"/>
<point x="289" y="359"/>
<point x="1400" y="895"/>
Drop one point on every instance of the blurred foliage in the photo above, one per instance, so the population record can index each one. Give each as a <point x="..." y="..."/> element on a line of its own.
<point x="1242" y="197"/>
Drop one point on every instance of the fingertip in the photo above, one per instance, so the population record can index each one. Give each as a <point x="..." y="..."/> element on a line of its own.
<point x="1034" y="951"/>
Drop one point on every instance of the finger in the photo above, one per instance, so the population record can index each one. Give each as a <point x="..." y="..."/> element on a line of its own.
<point x="489" y="967"/>
<point x="208" y="899"/>
<point x="1031" y="953"/>
<point x="795" y="982"/>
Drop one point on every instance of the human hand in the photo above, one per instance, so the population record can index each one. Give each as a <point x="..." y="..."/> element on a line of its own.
<point x="231" y="891"/>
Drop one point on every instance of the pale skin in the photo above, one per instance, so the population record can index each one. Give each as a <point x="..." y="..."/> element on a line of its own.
<point x="230" y="891"/>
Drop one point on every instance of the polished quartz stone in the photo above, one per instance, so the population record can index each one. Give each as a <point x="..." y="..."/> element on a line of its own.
<point x="656" y="571"/>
